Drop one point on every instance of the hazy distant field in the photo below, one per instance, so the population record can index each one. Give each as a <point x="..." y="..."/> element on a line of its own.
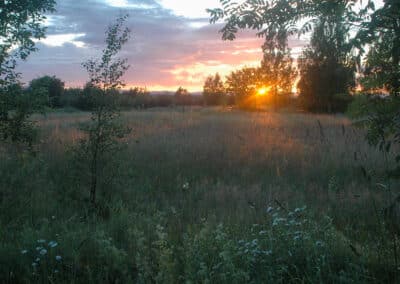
<point x="231" y="159"/>
<point x="205" y="195"/>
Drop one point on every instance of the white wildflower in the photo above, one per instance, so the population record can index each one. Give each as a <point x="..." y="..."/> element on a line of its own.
<point x="263" y="232"/>
<point x="53" y="244"/>
<point x="268" y="252"/>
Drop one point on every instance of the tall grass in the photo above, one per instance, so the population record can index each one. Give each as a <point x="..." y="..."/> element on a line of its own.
<point x="201" y="196"/>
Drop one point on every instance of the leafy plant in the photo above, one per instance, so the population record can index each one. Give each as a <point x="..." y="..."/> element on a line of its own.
<point x="382" y="31"/>
<point x="20" y="24"/>
<point x="328" y="67"/>
<point x="53" y="87"/>
<point x="381" y="118"/>
<point x="16" y="107"/>
<point x="213" y="90"/>
<point x="104" y="131"/>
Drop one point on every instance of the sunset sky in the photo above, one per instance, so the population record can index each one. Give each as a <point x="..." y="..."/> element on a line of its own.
<point x="172" y="44"/>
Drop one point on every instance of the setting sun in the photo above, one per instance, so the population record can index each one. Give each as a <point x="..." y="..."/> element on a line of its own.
<point x="263" y="91"/>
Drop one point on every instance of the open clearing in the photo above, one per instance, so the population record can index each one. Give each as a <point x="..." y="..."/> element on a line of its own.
<point x="203" y="194"/>
<point x="231" y="159"/>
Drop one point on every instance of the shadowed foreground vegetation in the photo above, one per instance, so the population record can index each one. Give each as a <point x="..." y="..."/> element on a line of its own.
<point x="200" y="196"/>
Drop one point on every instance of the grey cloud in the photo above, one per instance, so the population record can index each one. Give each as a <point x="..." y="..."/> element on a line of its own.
<point x="161" y="41"/>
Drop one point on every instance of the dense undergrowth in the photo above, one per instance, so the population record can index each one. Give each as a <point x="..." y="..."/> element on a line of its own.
<point x="200" y="197"/>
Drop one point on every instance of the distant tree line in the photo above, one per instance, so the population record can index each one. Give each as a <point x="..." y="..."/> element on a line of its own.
<point x="56" y="95"/>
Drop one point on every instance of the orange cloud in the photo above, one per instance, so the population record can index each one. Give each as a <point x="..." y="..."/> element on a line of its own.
<point x="193" y="75"/>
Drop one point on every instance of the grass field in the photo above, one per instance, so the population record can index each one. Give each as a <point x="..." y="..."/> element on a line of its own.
<point x="201" y="195"/>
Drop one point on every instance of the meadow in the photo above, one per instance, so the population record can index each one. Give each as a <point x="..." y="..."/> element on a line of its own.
<point x="201" y="195"/>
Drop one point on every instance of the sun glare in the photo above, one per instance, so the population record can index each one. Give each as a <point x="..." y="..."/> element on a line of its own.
<point x="263" y="91"/>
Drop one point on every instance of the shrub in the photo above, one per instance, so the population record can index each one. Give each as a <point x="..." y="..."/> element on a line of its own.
<point x="52" y="86"/>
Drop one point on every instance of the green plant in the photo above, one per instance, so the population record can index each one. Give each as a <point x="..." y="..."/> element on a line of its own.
<point x="44" y="261"/>
<point x="382" y="32"/>
<point x="104" y="131"/>
<point x="380" y="116"/>
<point x="214" y="90"/>
<point x="52" y="86"/>
<point x="20" y="24"/>
<point x="16" y="108"/>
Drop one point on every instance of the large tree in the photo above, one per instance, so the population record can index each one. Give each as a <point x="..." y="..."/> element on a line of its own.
<point x="21" y="23"/>
<point x="327" y="64"/>
<point x="214" y="90"/>
<point x="382" y="34"/>
<point x="243" y="84"/>
<point x="382" y="71"/>
<point x="278" y="72"/>
<point x="276" y="20"/>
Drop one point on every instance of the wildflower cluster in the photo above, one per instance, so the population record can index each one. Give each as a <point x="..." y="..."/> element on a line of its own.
<point x="294" y="229"/>
<point x="283" y="246"/>
<point x="287" y="238"/>
<point x="44" y="257"/>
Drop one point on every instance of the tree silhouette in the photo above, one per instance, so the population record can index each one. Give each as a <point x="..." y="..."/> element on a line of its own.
<point x="214" y="90"/>
<point x="243" y="85"/>
<point x="20" y="24"/>
<point x="327" y="67"/>
<point x="276" y="20"/>
<point x="52" y="86"/>
<point x="182" y="97"/>
<point x="278" y="73"/>
<point x="104" y="131"/>
<point x="181" y="92"/>
<point x="382" y="32"/>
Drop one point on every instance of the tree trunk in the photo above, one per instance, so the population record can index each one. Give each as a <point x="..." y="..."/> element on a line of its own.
<point x="93" y="183"/>
<point x="396" y="58"/>
<point x="93" y="163"/>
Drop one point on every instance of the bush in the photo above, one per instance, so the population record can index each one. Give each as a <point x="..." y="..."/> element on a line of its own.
<point x="338" y="103"/>
<point x="53" y="87"/>
<point x="279" y="251"/>
<point x="100" y="261"/>
<point x="70" y="98"/>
